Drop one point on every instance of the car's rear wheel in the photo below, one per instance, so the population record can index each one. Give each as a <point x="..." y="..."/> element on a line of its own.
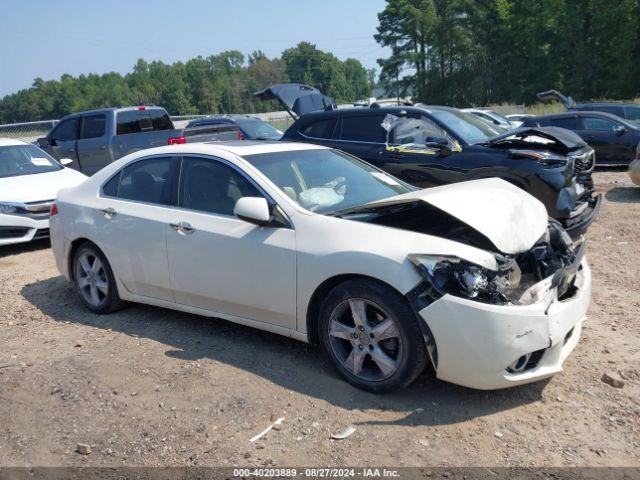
<point x="94" y="280"/>
<point x="372" y="336"/>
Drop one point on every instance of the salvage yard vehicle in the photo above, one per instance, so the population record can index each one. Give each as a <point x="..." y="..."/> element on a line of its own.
<point x="314" y="244"/>
<point x="613" y="139"/>
<point x="430" y="146"/>
<point x="29" y="182"/>
<point x="95" y="138"/>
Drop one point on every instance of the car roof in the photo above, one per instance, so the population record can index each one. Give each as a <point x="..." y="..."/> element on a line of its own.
<point x="8" y="142"/>
<point x="371" y="110"/>
<point x="580" y="113"/>
<point x="604" y="104"/>
<point x="236" y="147"/>
<point x="113" y="109"/>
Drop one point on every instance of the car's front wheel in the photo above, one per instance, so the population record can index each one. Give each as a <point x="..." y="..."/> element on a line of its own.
<point x="94" y="280"/>
<point x="372" y="336"/>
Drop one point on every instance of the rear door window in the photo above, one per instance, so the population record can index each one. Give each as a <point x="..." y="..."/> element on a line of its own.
<point x="320" y="129"/>
<point x="93" y="126"/>
<point x="136" y="121"/>
<point x="570" y="123"/>
<point x="66" y="130"/>
<point x="363" y="128"/>
<point x="599" y="124"/>
<point x="632" y="113"/>
<point x="147" y="181"/>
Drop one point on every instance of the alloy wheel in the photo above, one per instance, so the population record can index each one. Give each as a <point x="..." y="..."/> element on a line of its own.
<point x="91" y="278"/>
<point x="365" y="339"/>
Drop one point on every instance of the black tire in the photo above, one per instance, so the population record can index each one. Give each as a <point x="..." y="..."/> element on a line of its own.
<point x="408" y="344"/>
<point x="109" y="301"/>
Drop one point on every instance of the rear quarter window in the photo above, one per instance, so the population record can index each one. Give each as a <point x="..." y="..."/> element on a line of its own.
<point x="570" y="123"/>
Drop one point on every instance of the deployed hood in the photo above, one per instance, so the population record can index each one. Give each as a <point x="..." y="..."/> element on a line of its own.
<point x="511" y="219"/>
<point x="296" y="98"/>
<point x="39" y="186"/>
<point x="546" y="138"/>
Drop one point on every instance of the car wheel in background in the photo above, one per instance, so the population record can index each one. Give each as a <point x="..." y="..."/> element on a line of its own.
<point x="372" y="336"/>
<point x="94" y="280"/>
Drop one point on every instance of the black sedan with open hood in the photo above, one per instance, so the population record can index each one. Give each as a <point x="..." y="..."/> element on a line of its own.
<point x="434" y="145"/>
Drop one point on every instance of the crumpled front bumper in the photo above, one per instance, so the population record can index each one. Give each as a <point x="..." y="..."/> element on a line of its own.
<point x="477" y="342"/>
<point x="18" y="229"/>
<point x="578" y="224"/>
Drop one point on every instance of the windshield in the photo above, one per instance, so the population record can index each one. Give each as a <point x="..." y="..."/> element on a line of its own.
<point x="324" y="181"/>
<point x="467" y="126"/>
<point x="25" y="160"/>
<point x="259" y="130"/>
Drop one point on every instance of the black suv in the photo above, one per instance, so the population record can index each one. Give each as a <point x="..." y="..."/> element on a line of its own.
<point x="428" y="146"/>
<point x="615" y="140"/>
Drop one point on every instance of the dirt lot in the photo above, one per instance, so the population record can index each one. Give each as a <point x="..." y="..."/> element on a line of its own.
<point x="147" y="386"/>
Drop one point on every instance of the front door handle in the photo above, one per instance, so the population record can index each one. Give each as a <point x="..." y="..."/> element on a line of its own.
<point x="108" y="213"/>
<point x="183" y="228"/>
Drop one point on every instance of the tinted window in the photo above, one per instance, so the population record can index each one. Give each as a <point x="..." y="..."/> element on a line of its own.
<point x="598" y="123"/>
<point x="66" y="130"/>
<point x="93" y="126"/>
<point x="147" y="181"/>
<point x="110" y="189"/>
<point x="211" y="186"/>
<point x="135" y="121"/>
<point x="632" y="113"/>
<point x="320" y="129"/>
<point x="613" y="109"/>
<point x="363" y="128"/>
<point x="570" y="123"/>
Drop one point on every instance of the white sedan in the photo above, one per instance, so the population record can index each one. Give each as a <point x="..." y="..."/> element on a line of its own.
<point x="29" y="182"/>
<point x="314" y="244"/>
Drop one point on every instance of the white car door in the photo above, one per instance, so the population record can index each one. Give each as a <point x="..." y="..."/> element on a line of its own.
<point x="131" y="218"/>
<point x="220" y="263"/>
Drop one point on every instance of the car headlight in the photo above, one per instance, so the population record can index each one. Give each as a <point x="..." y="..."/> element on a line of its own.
<point x="452" y="275"/>
<point x="546" y="159"/>
<point x="7" y="208"/>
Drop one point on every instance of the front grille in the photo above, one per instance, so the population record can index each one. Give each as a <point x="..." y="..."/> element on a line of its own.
<point x="41" y="233"/>
<point x="13" y="232"/>
<point x="584" y="163"/>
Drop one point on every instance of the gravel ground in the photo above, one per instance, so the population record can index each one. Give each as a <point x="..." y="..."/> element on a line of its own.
<point x="147" y="386"/>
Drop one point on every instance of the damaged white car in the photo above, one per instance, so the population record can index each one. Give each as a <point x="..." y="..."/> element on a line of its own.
<point x="308" y="242"/>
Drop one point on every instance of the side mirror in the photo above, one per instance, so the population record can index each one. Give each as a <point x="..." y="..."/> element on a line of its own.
<point x="44" y="142"/>
<point x="253" y="210"/>
<point x="66" y="161"/>
<point x="619" y="130"/>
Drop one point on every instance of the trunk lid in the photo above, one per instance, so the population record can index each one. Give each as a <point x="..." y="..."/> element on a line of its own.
<point x="296" y="98"/>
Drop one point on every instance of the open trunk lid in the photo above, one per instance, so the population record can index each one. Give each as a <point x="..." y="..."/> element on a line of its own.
<point x="296" y="98"/>
<point x="550" y="95"/>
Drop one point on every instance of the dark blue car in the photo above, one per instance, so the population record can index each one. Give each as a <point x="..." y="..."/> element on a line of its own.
<point x="251" y="128"/>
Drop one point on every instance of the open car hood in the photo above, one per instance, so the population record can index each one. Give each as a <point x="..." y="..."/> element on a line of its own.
<point x="539" y="138"/>
<point x="296" y="98"/>
<point x="511" y="219"/>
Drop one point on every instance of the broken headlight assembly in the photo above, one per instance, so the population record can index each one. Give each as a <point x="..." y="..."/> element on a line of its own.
<point x="452" y="275"/>
<point x="546" y="159"/>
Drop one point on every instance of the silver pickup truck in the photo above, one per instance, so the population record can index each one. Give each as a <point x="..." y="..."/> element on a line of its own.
<point x="95" y="138"/>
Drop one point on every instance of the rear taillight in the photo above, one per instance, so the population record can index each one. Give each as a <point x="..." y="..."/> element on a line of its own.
<point x="142" y="108"/>
<point x="53" y="210"/>
<point x="240" y="135"/>
<point x="176" y="140"/>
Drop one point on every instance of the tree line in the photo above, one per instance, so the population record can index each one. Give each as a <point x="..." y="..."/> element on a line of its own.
<point x="481" y="52"/>
<point x="221" y="83"/>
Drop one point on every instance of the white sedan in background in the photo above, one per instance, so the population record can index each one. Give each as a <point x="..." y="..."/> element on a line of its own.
<point x="314" y="244"/>
<point x="29" y="182"/>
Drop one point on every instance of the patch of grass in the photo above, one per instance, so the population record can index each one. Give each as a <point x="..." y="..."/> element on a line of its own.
<point x="545" y="108"/>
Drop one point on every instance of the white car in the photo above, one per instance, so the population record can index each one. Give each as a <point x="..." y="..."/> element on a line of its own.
<point x="314" y="244"/>
<point x="517" y="119"/>
<point x="29" y="182"/>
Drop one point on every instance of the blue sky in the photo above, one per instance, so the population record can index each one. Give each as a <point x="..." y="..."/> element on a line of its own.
<point x="47" y="38"/>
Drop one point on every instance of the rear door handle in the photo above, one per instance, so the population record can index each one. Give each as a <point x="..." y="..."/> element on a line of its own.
<point x="183" y="228"/>
<point x="108" y="213"/>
